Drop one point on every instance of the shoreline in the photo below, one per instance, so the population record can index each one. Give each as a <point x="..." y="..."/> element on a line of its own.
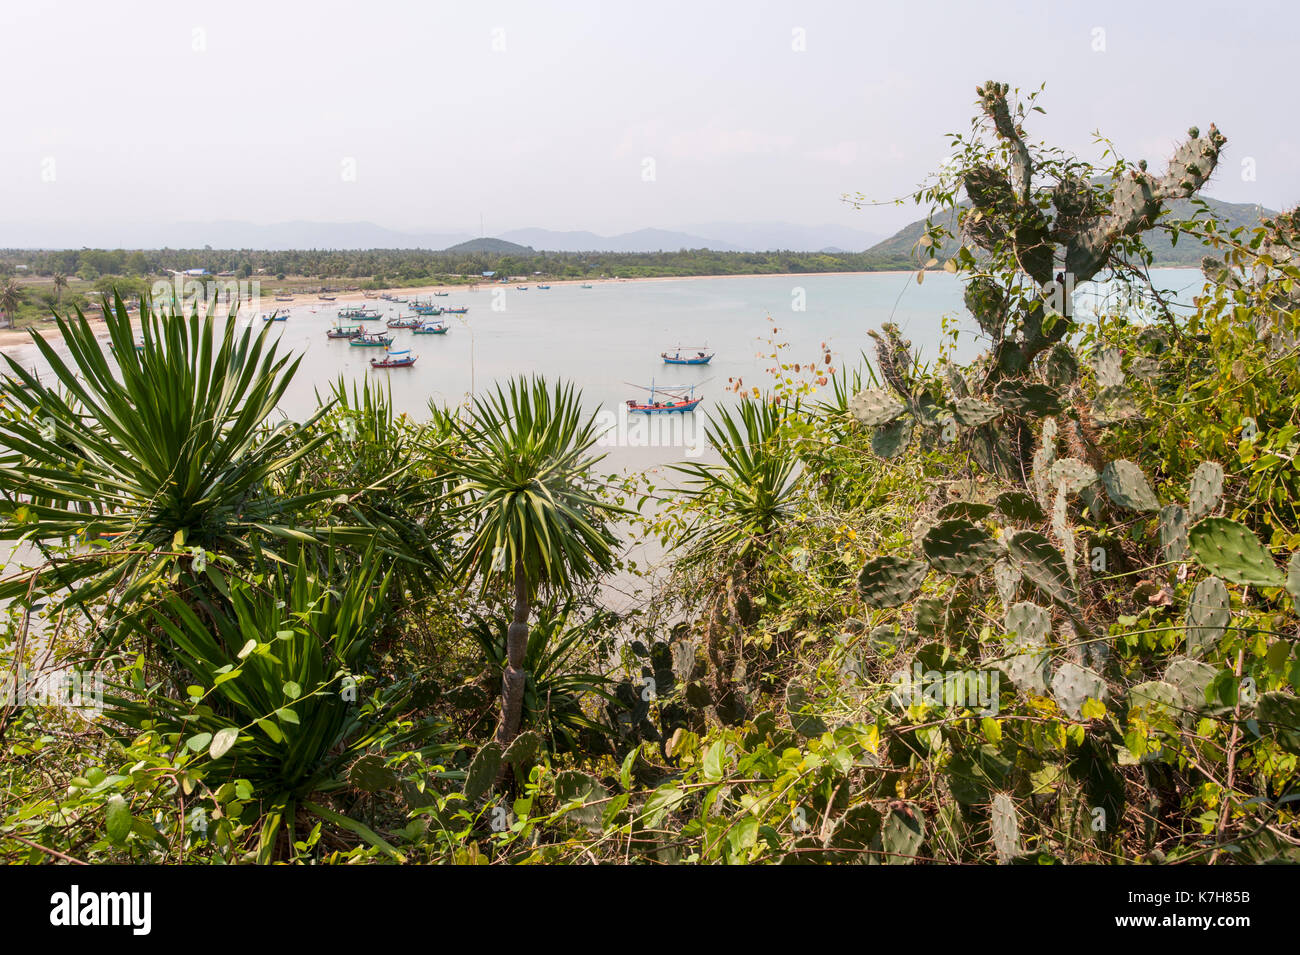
<point x="11" y="338"/>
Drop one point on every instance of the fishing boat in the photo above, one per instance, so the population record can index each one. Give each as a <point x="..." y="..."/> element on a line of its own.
<point x="522" y="288"/>
<point x="456" y="309"/>
<point x="701" y="357"/>
<point x="277" y="316"/>
<point x="327" y="298"/>
<point x="437" y="328"/>
<point x="406" y="321"/>
<point x="441" y="294"/>
<point x="345" y="331"/>
<point x="394" y="359"/>
<point x="350" y="311"/>
<point x="369" y="314"/>
<point x="372" y="341"/>
<point x="584" y="285"/>
<point x="543" y="286"/>
<point x="284" y="298"/>
<point x="665" y="399"/>
<point x="427" y="310"/>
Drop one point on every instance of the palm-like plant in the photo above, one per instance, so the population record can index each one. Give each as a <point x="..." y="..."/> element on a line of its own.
<point x="526" y="489"/>
<point x="60" y="283"/>
<point x="159" y="448"/>
<point x="11" y="296"/>
<point x="740" y="503"/>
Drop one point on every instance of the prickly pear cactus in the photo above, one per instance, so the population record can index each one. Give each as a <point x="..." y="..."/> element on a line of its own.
<point x="1155" y="699"/>
<point x="1073" y="685"/>
<point x="902" y="833"/>
<point x="1005" y="827"/>
<point x="1173" y="534"/>
<point x="1071" y="474"/>
<point x="1029" y="623"/>
<point x="1204" y="491"/>
<point x="1231" y="551"/>
<point x="1127" y="486"/>
<point x="960" y="548"/>
<point x="573" y="786"/>
<point x="889" y="581"/>
<point x="483" y="771"/>
<point x="1208" y="615"/>
<point x="522" y="753"/>
<point x="1019" y="506"/>
<point x="875" y="407"/>
<point x="1192" y="678"/>
<point x="1042" y="565"/>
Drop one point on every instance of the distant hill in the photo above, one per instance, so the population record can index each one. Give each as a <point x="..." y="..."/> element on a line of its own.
<point x="786" y="236"/>
<point x="643" y="240"/>
<point x="493" y="246"/>
<point x="901" y="244"/>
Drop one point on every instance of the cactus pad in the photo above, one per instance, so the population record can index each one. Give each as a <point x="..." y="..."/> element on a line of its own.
<point x="1128" y="487"/>
<point x="1173" y="534"/>
<point x="1005" y="827"/>
<point x="1042" y="565"/>
<point x="1208" y="616"/>
<point x="1231" y="551"/>
<point x="483" y="771"/>
<point x="888" y="581"/>
<point x="1019" y="506"/>
<point x="1073" y="685"/>
<point x="875" y="407"/>
<point x="959" y="547"/>
<point x="1205" y="489"/>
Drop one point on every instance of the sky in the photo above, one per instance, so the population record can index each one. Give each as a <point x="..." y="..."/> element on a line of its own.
<point x="608" y="117"/>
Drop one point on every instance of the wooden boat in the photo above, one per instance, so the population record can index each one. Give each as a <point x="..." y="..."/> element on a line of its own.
<point x="427" y="310"/>
<point x="345" y="331"/>
<point x="665" y="399"/>
<point x="441" y="294"/>
<point x="584" y="285"/>
<point x="350" y="311"/>
<point x="405" y="321"/>
<point x="327" y="298"/>
<point x="276" y="316"/>
<point x="369" y="314"/>
<point x="438" y="328"/>
<point x="284" y="298"/>
<point x="543" y="286"/>
<point x="394" y="359"/>
<point x="456" y="309"/>
<point x="700" y="357"/>
<point x="522" y="288"/>
<point x="372" y="341"/>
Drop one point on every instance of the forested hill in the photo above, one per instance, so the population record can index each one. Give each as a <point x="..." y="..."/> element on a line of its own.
<point x="1186" y="252"/>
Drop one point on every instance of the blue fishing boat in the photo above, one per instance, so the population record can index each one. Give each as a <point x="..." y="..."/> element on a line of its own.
<point x="700" y="357"/>
<point x="426" y="309"/>
<point x="406" y="321"/>
<point x="456" y="309"/>
<point x="345" y="331"/>
<point x="436" y="328"/>
<point x="543" y="286"/>
<point x="665" y="399"/>
<point x="277" y="316"/>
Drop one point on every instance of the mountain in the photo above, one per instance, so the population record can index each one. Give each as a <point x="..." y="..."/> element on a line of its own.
<point x="901" y="245"/>
<point x="493" y="246"/>
<point x="643" y="240"/>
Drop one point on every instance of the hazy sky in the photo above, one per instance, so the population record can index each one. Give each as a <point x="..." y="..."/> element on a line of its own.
<point x="426" y="115"/>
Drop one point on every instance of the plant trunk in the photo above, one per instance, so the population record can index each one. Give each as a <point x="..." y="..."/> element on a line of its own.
<point x="514" y="677"/>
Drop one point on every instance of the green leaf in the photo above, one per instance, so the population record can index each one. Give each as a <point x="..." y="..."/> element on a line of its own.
<point x="223" y="741"/>
<point x="117" y="818"/>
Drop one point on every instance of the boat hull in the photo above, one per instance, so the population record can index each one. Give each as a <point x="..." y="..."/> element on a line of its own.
<point x="400" y="363"/>
<point x="687" y="361"/>
<point x="680" y="407"/>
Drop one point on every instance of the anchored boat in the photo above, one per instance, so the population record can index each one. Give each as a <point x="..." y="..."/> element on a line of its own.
<point x="405" y="321"/>
<point x="394" y="359"/>
<point x="345" y="331"/>
<point x="277" y="316"/>
<point x="435" y="328"/>
<point x="665" y="399"/>
<point x="372" y="341"/>
<point x="456" y="309"/>
<point x="701" y="357"/>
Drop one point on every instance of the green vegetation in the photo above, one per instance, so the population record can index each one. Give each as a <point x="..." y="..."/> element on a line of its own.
<point x="1039" y="608"/>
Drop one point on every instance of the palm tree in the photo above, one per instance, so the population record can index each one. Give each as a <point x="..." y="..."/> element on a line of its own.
<point x="526" y="489"/>
<point x="11" y="296"/>
<point x="60" y="283"/>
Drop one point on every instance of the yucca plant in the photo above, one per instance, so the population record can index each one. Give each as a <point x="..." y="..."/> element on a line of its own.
<point x="168" y="450"/>
<point x="741" y="502"/>
<point x="555" y="660"/>
<point x="526" y="491"/>
<point x="276" y="674"/>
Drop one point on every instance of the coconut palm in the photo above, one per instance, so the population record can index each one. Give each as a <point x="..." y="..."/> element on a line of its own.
<point x="536" y="518"/>
<point x="60" y="283"/>
<point x="11" y="296"/>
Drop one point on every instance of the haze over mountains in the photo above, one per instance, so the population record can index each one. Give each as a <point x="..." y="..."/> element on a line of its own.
<point x="300" y="234"/>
